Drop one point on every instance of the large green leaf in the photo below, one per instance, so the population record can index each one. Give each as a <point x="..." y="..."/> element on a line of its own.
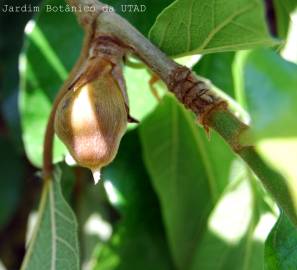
<point x="231" y="223"/>
<point x="281" y="246"/>
<point x="266" y="85"/>
<point x="198" y="26"/>
<point x="54" y="243"/>
<point x="218" y="68"/>
<point x="188" y="173"/>
<point x="237" y="227"/>
<point x="139" y="239"/>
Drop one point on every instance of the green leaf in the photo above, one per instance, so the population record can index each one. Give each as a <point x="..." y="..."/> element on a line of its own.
<point x="141" y="14"/>
<point x="138" y="241"/>
<point x="199" y="27"/>
<point x="68" y="181"/>
<point x="281" y="154"/>
<point x="232" y="225"/>
<point x="282" y="9"/>
<point x="11" y="43"/>
<point x="188" y="173"/>
<point x="237" y="227"/>
<point x="281" y="246"/>
<point x="52" y="46"/>
<point x="266" y="86"/>
<point x="54" y="243"/>
<point x="95" y="217"/>
<point x="218" y="68"/>
<point x="141" y="99"/>
<point x="12" y="180"/>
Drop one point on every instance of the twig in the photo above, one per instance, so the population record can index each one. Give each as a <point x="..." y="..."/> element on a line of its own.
<point x="195" y="93"/>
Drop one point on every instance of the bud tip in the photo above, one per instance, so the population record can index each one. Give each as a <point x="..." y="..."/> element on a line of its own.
<point x="96" y="175"/>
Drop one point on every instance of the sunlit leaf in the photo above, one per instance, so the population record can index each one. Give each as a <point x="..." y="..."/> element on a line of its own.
<point x="289" y="50"/>
<point x="237" y="227"/>
<point x="281" y="154"/>
<point x="192" y="27"/>
<point x="188" y="173"/>
<point x="282" y="9"/>
<point x="266" y="85"/>
<point x="141" y="99"/>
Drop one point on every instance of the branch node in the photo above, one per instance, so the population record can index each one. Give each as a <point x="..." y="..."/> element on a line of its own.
<point x="195" y="94"/>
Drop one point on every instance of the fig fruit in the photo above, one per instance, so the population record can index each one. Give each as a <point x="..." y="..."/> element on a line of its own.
<point x="91" y="120"/>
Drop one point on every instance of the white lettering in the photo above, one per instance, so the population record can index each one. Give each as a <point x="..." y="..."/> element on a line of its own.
<point x="5" y="8"/>
<point x="142" y="8"/>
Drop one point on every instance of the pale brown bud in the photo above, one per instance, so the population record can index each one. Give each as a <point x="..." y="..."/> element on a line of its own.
<point x="91" y="121"/>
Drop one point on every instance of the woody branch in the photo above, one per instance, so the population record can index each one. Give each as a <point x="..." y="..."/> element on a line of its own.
<point x="195" y="93"/>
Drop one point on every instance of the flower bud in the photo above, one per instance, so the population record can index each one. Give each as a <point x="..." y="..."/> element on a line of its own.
<point x="91" y="120"/>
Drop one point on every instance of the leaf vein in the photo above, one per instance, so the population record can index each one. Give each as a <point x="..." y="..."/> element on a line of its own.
<point x="65" y="243"/>
<point x="223" y="24"/>
<point x="53" y="226"/>
<point x="189" y="40"/>
<point x="63" y="216"/>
